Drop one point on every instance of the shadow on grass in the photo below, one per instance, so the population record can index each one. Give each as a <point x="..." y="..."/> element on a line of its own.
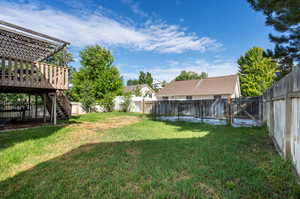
<point x="225" y="163"/>
<point x="9" y="138"/>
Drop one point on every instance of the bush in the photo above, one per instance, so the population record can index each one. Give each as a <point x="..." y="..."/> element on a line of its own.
<point x="108" y="102"/>
<point x="126" y="102"/>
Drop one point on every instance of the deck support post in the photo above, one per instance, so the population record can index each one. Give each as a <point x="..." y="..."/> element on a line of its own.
<point x="54" y="109"/>
<point x="36" y="106"/>
<point x="44" y="107"/>
<point x="29" y="105"/>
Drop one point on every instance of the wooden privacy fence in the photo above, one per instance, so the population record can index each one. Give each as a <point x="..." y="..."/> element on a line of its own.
<point x="282" y="115"/>
<point x="19" y="73"/>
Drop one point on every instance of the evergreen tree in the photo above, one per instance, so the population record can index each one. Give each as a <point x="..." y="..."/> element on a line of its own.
<point x="256" y="72"/>
<point x="284" y="16"/>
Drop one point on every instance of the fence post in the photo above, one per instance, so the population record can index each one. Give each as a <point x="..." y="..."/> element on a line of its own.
<point x="288" y="119"/>
<point x="271" y="116"/>
<point x="229" y="115"/>
<point x="177" y="111"/>
<point x="143" y="106"/>
<point x="260" y="109"/>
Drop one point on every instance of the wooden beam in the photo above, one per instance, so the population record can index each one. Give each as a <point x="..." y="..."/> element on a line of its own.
<point x="31" y="32"/>
<point x="26" y="44"/>
<point x="53" y="53"/>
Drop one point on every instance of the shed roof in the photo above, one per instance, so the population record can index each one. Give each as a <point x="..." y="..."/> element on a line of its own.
<point x="222" y="85"/>
<point x="24" y="44"/>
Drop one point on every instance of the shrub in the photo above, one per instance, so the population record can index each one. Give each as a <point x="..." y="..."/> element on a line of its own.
<point x="126" y="102"/>
<point x="108" y="102"/>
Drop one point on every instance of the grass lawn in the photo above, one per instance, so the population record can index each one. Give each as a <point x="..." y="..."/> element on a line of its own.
<point x="121" y="155"/>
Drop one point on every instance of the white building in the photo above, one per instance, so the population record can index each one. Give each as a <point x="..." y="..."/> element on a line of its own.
<point x="157" y="84"/>
<point x="141" y="90"/>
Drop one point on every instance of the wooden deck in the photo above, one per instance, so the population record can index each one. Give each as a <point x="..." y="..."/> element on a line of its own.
<point x="17" y="75"/>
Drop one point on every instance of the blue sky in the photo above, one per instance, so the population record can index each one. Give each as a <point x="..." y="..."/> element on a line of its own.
<point x="162" y="37"/>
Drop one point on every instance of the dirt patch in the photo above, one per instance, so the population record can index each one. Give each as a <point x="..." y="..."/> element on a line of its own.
<point x="113" y="122"/>
<point x="182" y="176"/>
<point x="81" y="134"/>
<point x="89" y="132"/>
<point x="133" y="151"/>
<point x="132" y="187"/>
<point x="208" y="191"/>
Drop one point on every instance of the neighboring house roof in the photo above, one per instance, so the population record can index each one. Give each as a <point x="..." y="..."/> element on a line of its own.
<point x="134" y="87"/>
<point x="222" y="85"/>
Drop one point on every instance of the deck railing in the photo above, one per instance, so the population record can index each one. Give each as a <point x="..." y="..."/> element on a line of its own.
<point x="17" y="73"/>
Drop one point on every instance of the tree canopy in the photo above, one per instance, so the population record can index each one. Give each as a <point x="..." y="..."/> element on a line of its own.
<point x="97" y="80"/>
<point x="189" y="75"/>
<point x="144" y="78"/>
<point x="132" y="82"/>
<point x="256" y="72"/>
<point x="284" y="16"/>
<point x="61" y="58"/>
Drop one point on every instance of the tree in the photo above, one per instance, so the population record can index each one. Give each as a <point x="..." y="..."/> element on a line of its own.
<point x="132" y="82"/>
<point x="256" y="72"/>
<point x="142" y="78"/>
<point x="149" y="79"/>
<point x="284" y="16"/>
<point x="61" y="58"/>
<point x="189" y="75"/>
<point x="87" y="99"/>
<point x="145" y="78"/>
<point x="98" y="73"/>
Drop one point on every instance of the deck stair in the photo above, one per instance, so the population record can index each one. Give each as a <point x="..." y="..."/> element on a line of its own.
<point x="63" y="108"/>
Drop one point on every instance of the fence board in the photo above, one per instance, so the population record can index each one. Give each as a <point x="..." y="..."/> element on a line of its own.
<point x="282" y="114"/>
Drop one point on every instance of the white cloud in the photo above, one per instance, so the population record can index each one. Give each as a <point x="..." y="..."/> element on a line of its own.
<point x="135" y="7"/>
<point x="220" y="68"/>
<point x="98" y="28"/>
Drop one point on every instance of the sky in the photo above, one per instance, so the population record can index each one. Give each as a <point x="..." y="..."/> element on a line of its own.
<point x="163" y="37"/>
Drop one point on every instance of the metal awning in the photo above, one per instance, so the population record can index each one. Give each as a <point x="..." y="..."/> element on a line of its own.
<point x="23" y="44"/>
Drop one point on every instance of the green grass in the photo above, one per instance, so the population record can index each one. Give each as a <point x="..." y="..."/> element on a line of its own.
<point x="146" y="159"/>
